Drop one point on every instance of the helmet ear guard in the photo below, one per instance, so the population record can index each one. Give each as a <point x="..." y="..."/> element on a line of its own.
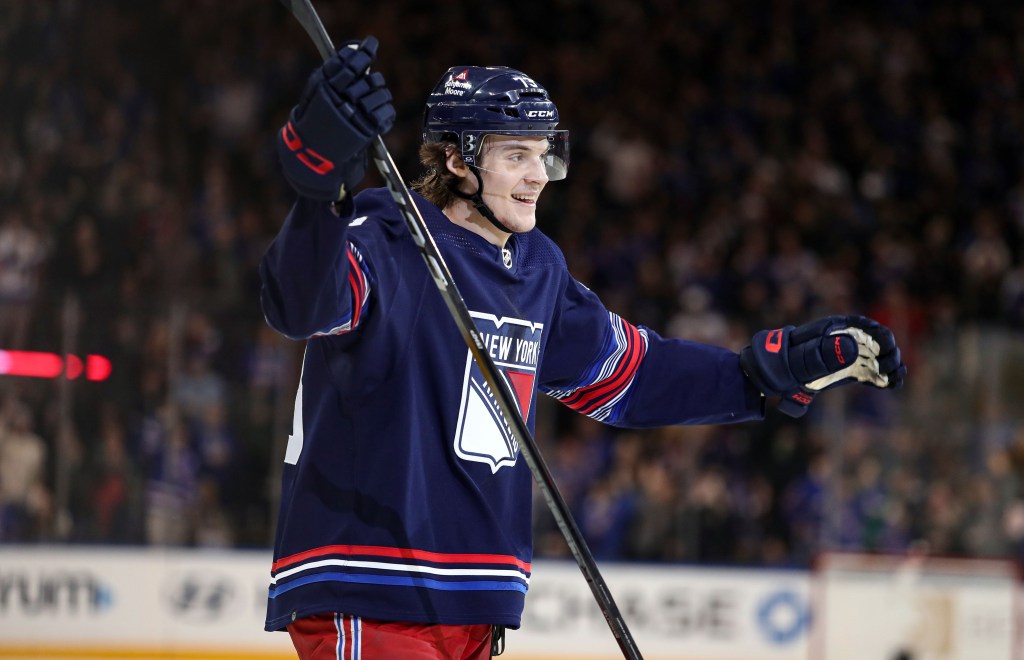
<point x="471" y="102"/>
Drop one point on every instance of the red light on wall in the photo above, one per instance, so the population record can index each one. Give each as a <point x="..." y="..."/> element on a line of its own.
<point x="31" y="363"/>
<point x="74" y="367"/>
<point x="37" y="364"/>
<point x="97" y="367"/>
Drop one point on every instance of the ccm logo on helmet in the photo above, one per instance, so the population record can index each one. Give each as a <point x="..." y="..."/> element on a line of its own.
<point x="539" y="114"/>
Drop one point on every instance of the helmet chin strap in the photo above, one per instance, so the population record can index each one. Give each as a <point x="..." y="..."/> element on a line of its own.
<point x="478" y="202"/>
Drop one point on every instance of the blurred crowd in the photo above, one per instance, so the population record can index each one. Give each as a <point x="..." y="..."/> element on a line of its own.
<point x="735" y="166"/>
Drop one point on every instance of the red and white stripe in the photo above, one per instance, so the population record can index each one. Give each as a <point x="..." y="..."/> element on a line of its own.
<point x="359" y="287"/>
<point x="598" y="398"/>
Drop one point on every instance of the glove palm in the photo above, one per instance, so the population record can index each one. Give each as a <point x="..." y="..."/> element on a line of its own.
<point x="796" y="363"/>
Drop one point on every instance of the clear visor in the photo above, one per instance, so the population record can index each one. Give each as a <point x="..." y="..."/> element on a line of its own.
<point x="555" y="159"/>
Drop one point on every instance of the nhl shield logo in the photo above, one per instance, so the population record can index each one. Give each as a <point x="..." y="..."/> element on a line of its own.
<point x="483" y="434"/>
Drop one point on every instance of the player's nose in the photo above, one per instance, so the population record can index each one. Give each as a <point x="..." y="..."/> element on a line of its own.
<point x="538" y="172"/>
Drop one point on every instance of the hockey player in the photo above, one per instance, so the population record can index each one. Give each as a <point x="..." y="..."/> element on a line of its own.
<point x="404" y="527"/>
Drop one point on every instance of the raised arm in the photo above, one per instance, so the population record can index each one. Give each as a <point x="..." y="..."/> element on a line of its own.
<point x="314" y="281"/>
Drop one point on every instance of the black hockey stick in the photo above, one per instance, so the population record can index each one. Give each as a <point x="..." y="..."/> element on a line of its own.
<point x="305" y="13"/>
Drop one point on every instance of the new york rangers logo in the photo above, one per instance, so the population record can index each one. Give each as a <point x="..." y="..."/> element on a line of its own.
<point x="483" y="435"/>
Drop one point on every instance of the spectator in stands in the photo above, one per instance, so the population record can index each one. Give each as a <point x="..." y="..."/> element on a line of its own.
<point x="23" y="254"/>
<point x="25" y="501"/>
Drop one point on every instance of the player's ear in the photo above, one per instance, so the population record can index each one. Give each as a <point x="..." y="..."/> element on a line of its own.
<point x="454" y="163"/>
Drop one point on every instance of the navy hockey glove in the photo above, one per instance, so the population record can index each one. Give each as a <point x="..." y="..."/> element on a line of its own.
<point x="343" y="108"/>
<point x="796" y="363"/>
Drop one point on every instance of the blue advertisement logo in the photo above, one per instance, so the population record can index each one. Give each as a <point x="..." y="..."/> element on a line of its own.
<point x="783" y="617"/>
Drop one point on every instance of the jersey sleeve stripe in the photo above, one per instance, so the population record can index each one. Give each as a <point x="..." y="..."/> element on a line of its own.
<point x="615" y="376"/>
<point x="357" y="281"/>
<point x="587" y="398"/>
<point x="359" y="288"/>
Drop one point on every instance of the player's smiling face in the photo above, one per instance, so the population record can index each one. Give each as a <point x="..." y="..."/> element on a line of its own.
<point x="513" y="173"/>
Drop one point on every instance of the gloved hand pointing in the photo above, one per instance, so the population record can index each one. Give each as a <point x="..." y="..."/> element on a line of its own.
<point x="798" y="362"/>
<point x="342" y="109"/>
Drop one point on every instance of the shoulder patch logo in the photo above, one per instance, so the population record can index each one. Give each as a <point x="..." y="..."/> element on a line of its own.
<point x="483" y="434"/>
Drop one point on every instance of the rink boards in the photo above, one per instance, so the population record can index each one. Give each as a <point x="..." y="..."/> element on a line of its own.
<point x="148" y="603"/>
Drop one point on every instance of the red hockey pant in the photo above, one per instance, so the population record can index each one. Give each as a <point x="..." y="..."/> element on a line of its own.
<point x="345" y="637"/>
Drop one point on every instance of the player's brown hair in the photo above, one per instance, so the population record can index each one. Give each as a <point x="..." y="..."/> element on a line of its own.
<point x="438" y="182"/>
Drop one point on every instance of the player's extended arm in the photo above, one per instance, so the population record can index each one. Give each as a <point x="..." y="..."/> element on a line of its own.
<point x="796" y="363"/>
<point x="314" y="282"/>
<point x="603" y="366"/>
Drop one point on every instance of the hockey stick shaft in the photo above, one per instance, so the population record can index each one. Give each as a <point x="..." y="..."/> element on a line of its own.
<point x="305" y="13"/>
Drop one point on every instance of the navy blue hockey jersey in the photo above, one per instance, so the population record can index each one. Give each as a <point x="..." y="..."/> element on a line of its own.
<point x="403" y="495"/>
